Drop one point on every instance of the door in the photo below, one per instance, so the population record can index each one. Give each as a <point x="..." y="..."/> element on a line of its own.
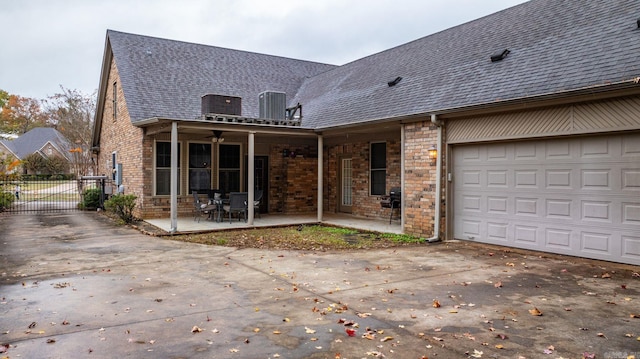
<point x="261" y="179"/>
<point x="345" y="185"/>
<point x="576" y="196"/>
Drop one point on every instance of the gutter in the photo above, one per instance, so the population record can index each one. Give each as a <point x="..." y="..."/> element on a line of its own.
<point x="438" y="200"/>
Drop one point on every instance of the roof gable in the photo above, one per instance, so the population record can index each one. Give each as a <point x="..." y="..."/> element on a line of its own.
<point x="37" y="138"/>
<point x="166" y="78"/>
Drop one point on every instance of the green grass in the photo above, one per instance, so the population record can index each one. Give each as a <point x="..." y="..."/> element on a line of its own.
<point x="314" y="237"/>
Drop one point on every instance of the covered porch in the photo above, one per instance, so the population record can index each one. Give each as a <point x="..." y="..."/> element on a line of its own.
<point x="189" y="225"/>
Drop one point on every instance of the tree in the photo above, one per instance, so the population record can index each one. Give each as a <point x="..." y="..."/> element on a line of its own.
<point x="71" y="112"/>
<point x="4" y="97"/>
<point x="21" y="114"/>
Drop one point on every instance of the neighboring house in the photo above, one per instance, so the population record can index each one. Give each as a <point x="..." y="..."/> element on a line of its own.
<point x="45" y="141"/>
<point x="521" y="128"/>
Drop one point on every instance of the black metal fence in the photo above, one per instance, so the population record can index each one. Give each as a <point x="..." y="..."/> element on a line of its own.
<point x="47" y="194"/>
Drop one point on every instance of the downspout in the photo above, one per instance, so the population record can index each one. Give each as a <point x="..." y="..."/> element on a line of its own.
<point x="438" y="199"/>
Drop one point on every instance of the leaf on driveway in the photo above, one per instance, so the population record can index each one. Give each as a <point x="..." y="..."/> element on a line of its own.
<point x="535" y="312"/>
<point x="498" y="284"/>
<point x="309" y="330"/>
<point x="196" y="329"/>
<point x="436" y="303"/>
<point x="477" y="353"/>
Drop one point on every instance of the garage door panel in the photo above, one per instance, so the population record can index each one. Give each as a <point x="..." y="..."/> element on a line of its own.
<point x="631" y="179"/>
<point x="559" y="239"/>
<point x="631" y="248"/>
<point x="576" y="196"/>
<point x="559" y="209"/>
<point x="631" y="214"/>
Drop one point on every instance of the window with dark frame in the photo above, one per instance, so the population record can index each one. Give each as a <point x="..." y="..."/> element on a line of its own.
<point x="114" y="101"/>
<point x="378" y="168"/>
<point x="163" y="168"/>
<point x="199" y="167"/>
<point x="229" y="168"/>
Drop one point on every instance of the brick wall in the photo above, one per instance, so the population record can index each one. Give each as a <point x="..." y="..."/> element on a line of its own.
<point x="121" y="136"/>
<point x="293" y="183"/>
<point x="363" y="204"/>
<point x="420" y="179"/>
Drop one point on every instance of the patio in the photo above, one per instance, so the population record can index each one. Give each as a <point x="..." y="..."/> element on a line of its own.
<point x="188" y="224"/>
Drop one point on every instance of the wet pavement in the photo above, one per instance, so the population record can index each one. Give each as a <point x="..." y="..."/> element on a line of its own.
<point x="73" y="285"/>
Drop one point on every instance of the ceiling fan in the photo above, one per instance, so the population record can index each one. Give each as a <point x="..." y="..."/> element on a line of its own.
<point x="216" y="137"/>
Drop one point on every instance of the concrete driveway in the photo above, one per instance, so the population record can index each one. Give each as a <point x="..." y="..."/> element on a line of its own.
<point x="75" y="286"/>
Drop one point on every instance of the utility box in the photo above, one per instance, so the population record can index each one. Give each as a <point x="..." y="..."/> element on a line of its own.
<point x="222" y="105"/>
<point x="273" y="105"/>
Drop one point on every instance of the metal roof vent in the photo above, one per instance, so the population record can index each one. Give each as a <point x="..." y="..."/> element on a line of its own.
<point x="499" y="56"/>
<point x="394" y="82"/>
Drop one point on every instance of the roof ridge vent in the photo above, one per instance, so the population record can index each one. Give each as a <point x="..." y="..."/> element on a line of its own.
<point x="499" y="56"/>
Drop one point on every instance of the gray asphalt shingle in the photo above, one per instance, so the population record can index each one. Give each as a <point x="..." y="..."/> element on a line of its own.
<point x="556" y="46"/>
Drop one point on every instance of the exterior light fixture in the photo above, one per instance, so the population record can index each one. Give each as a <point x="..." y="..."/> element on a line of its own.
<point x="433" y="154"/>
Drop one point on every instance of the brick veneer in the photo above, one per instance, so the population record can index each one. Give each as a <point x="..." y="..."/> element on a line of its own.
<point x="420" y="179"/>
<point x="121" y="136"/>
<point x="363" y="204"/>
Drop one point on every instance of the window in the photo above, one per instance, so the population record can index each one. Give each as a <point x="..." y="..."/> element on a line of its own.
<point x="114" y="101"/>
<point x="378" y="166"/>
<point x="163" y="168"/>
<point x="114" y="165"/>
<point x="229" y="171"/>
<point x="199" y="167"/>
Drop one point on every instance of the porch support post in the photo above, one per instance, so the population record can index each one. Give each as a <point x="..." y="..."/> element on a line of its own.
<point x="402" y="179"/>
<point x="173" y="182"/>
<point x="320" y="179"/>
<point x="251" y="179"/>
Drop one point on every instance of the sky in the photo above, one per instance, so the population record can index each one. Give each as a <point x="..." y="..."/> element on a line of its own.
<point x="52" y="43"/>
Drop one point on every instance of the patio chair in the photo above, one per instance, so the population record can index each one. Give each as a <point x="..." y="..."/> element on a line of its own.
<point x="200" y="207"/>
<point x="257" y="198"/>
<point x="237" y="204"/>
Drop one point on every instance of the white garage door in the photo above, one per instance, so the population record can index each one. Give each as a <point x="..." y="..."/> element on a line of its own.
<point x="577" y="196"/>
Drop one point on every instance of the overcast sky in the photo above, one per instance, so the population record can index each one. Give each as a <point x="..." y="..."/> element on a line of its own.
<point x="51" y="43"/>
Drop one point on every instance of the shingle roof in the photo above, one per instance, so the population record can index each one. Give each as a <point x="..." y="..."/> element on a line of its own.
<point x="35" y="139"/>
<point x="166" y="78"/>
<point x="556" y="46"/>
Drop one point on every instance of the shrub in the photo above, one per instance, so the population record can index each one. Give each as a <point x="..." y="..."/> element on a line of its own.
<point x="6" y="200"/>
<point x="122" y="205"/>
<point x="91" y="198"/>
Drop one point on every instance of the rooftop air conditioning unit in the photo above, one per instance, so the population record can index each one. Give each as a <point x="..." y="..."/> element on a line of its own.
<point x="221" y="104"/>
<point x="273" y="105"/>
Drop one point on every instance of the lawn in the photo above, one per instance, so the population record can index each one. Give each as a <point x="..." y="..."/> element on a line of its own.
<point x="314" y="237"/>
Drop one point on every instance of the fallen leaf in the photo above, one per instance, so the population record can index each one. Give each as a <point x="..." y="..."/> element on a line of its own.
<point x="233" y="350"/>
<point x="51" y="341"/>
<point x="498" y="284"/>
<point x="386" y="339"/>
<point x="309" y="330"/>
<point x="535" y="312"/>
<point x="350" y="332"/>
<point x="277" y="332"/>
<point x="499" y="346"/>
<point x="436" y="303"/>
<point x="477" y="353"/>
<point x="195" y="329"/>
<point x="606" y="275"/>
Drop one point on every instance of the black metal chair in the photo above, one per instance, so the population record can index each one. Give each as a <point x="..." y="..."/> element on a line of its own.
<point x="237" y="204"/>
<point x="200" y="207"/>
